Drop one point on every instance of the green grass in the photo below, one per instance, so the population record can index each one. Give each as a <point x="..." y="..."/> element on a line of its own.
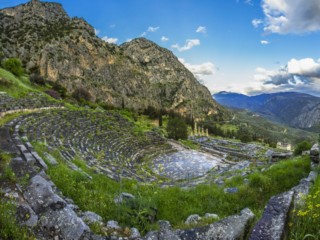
<point x="9" y="228"/>
<point x="304" y="223"/>
<point x="153" y="202"/>
<point x="6" y="172"/>
<point x="191" y="144"/>
<point x="14" y="86"/>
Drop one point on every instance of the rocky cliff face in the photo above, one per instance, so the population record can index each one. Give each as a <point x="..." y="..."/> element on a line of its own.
<point x="66" y="50"/>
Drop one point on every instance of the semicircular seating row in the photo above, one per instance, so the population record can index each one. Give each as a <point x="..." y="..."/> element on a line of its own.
<point x="105" y="140"/>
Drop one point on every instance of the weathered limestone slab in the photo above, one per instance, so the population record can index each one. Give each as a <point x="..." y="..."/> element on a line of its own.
<point x="26" y="216"/>
<point x="272" y="224"/>
<point x="63" y="224"/>
<point x="40" y="195"/>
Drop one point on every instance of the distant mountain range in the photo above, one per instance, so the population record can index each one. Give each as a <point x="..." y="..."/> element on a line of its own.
<point x="294" y="109"/>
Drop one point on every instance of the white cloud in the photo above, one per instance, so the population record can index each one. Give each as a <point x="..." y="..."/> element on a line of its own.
<point x="297" y="75"/>
<point x="256" y="22"/>
<point x="96" y="31"/>
<point x="153" y="29"/>
<point x="201" y="29"/>
<point x="290" y="16"/>
<point x="249" y="2"/>
<point x="305" y="67"/>
<point x="110" y="40"/>
<point x="150" y="29"/>
<point x="190" y="43"/>
<point x="201" y="70"/>
<point x="164" y="39"/>
<point x="264" y="42"/>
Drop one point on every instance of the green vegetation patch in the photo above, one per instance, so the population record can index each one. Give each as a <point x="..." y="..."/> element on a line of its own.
<point x="305" y="221"/>
<point x="13" y="85"/>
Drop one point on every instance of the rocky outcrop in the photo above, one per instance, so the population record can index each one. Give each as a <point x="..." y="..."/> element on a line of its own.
<point x="136" y="74"/>
<point x="314" y="153"/>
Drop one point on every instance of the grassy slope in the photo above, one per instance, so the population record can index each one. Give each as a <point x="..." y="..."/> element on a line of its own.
<point x="14" y="86"/>
<point x="277" y="131"/>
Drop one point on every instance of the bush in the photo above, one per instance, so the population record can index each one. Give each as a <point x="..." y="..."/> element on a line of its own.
<point x="177" y="129"/>
<point x="14" y="66"/>
<point x="53" y="93"/>
<point x="302" y="146"/>
<point x="37" y="79"/>
<point x="60" y="89"/>
<point x="81" y="94"/>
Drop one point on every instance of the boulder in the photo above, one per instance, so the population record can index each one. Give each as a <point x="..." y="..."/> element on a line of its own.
<point x="211" y="216"/>
<point x="314" y="153"/>
<point x="113" y="225"/>
<point x="193" y="219"/>
<point x="62" y="223"/>
<point x="123" y="197"/>
<point x="269" y="153"/>
<point x="312" y="177"/>
<point x="91" y="217"/>
<point x="166" y="232"/>
<point x="39" y="195"/>
<point x="231" y="190"/>
<point x="134" y="233"/>
<point x="274" y="218"/>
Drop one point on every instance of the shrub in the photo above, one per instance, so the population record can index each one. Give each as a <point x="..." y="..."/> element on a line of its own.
<point x="81" y="94"/>
<point x="37" y="79"/>
<point x="14" y="66"/>
<point x="59" y="88"/>
<point x="53" y="93"/>
<point x="177" y="129"/>
<point x="302" y="146"/>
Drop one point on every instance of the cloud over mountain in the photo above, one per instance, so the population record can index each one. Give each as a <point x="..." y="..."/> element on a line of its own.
<point x="297" y="75"/>
<point x="190" y="43"/>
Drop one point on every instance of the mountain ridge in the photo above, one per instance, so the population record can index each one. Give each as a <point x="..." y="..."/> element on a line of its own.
<point x="295" y="109"/>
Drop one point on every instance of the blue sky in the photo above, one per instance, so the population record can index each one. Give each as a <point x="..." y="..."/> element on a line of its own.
<point x="232" y="45"/>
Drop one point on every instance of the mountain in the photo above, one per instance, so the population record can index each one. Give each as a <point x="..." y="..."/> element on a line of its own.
<point x="66" y="50"/>
<point x="295" y="109"/>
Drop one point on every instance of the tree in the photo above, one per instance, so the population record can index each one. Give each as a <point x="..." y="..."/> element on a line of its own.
<point x="160" y="117"/>
<point x="302" y="146"/>
<point x="14" y="66"/>
<point x="244" y="134"/>
<point x="37" y="79"/>
<point x="177" y="129"/>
